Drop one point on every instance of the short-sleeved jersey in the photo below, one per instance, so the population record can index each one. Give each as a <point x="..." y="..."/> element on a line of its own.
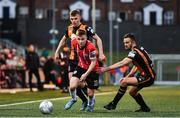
<point x="86" y="54"/>
<point x="70" y="33"/>
<point x="142" y="61"/>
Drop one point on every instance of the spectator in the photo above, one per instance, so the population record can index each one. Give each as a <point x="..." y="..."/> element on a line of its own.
<point x="49" y="70"/>
<point x="32" y="65"/>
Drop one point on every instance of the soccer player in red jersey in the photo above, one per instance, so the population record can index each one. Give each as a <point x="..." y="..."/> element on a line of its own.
<point x="144" y="78"/>
<point x="86" y="71"/>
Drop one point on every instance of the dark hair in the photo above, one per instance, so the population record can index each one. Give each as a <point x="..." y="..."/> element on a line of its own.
<point x="130" y="35"/>
<point x="74" y="12"/>
<point x="81" y="32"/>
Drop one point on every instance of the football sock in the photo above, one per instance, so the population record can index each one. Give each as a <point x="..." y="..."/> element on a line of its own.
<point x="84" y="89"/>
<point x="81" y="95"/>
<point x="73" y="94"/>
<point x="140" y="101"/>
<point x="91" y="101"/>
<point x="119" y="94"/>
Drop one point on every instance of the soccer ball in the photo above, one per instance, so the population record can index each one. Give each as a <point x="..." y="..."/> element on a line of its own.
<point x="46" y="107"/>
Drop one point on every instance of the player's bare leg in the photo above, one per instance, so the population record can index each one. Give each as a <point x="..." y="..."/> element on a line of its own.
<point x="91" y="100"/>
<point x="81" y="92"/>
<point x="74" y="83"/>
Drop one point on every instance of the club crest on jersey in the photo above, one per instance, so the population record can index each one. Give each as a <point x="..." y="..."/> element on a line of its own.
<point x="75" y="72"/>
<point x="90" y="30"/>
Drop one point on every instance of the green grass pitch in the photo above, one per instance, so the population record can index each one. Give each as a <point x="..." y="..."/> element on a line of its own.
<point x="164" y="101"/>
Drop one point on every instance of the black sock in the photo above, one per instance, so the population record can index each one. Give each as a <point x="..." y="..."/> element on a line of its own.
<point x="84" y="89"/>
<point x="81" y="95"/>
<point x="119" y="94"/>
<point x="140" y="101"/>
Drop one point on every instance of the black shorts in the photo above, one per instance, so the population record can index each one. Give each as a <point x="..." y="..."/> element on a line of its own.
<point x="144" y="81"/>
<point x="92" y="79"/>
<point x="72" y="65"/>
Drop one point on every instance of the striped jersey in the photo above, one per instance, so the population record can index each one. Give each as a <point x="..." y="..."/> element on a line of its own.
<point x="142" y="61"/>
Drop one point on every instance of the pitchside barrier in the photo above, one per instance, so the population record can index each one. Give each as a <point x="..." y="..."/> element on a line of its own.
<point x="167" y="67"/>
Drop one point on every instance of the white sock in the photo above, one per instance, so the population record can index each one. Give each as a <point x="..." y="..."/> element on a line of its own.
<point x="73" y="94"/>
<point x="91" y="101"/>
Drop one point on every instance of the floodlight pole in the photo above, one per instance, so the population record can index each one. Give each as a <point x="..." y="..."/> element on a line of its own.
<point x="118" y="20"/>
<point x="53" y="23"/>
<point x="110" y="32"/>
<point x="93" y="17"/>
<point x="117" y="40"/>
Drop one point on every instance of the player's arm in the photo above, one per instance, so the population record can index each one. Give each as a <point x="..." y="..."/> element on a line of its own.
<point x="92" y="57"/>
<point x="98" y="41"/>
<point x="100" y="47"/>
<point x="132" y="72"/>
<point x="61" y="43"/>
<point x="125" y="61"/>
<point x="91" y="67"/>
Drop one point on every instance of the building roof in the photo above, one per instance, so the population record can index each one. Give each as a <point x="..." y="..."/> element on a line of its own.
<point x="10" y="0"/>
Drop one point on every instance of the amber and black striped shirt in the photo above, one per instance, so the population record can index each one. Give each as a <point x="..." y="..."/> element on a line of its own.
<point x="142" y="61"/>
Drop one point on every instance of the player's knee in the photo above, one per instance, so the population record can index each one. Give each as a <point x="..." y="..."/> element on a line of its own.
<point x="90" y="93"/>
<point x="120" y="80"/>
<point x="72" y="88"/>
<point x="74" y="82"/>
<point x="123" y="82"/>
<point x="81" y="84"/>
<point x="132" y="93"/>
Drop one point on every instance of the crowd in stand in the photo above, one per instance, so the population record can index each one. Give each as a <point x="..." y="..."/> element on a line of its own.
<point x="14" y="68"/>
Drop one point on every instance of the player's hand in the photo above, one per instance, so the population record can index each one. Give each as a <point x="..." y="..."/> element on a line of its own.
<point x="101" y="70"/>
<point x="83" y="77"/>
<point x="102" y="57"/>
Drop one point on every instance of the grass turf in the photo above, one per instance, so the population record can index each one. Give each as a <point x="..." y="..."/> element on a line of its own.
<point x="164" y="101"/>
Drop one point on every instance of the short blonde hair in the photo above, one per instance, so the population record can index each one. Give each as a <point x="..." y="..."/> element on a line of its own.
<point x="81" y="32"/>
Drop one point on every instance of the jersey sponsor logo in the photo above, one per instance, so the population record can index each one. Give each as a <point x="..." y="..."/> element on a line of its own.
<point x="131" y="54"/>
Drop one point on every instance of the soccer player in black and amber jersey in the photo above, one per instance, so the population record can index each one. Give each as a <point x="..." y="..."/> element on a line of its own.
<point x="142" y="65"/>
<point x="76" y="24"/>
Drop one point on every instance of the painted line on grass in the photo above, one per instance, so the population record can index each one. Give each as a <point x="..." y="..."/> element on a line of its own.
<point x="53" y="99"/>
<point x="63" y="98"/>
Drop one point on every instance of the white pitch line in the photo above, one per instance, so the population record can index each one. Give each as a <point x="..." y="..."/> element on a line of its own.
<point x="53" y="99"/>
<point x="63" y="98"/>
